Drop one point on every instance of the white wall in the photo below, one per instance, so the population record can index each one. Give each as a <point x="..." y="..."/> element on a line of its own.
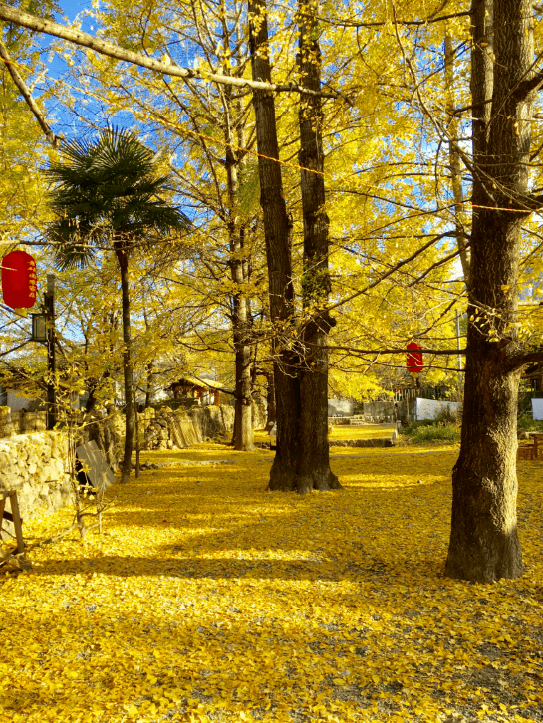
<point x="430" y="408"/>
<point x="17" y="402"/>
<point x="340" y="406"/>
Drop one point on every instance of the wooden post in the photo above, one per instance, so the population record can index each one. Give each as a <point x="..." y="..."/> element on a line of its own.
<point x="13" y="516"/>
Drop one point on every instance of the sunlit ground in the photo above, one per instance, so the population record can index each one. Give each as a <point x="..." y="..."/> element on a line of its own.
<point x="209" y="599"/>
<point x="346" y="431"/>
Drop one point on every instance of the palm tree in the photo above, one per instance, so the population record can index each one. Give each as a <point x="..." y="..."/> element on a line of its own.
<point x="107" y="193"/>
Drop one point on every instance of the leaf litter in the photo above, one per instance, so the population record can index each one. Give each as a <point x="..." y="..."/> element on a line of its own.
<point x="209" y="599"/>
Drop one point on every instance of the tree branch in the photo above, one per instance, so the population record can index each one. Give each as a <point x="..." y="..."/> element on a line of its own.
<point x="525" y="87"/>
<point x="27" y="95"/>
<point x="379" y="352"/>
<point x="73" y="35"/>
<point x="536" y="356"/>
<point x="379" y="24"/>
<point x="5" y="353"/>
<point x="386" y="275"/>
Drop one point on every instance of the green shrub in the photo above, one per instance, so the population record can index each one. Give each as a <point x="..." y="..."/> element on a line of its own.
<point x="446" y="416"/>
<point x="529" y="424"/>
<point x="427" y="431"/>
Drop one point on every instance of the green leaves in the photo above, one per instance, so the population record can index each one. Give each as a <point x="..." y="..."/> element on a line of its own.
<point x="107" y="190"/>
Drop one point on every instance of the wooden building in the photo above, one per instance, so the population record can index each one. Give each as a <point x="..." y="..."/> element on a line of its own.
<point x="200" y="391"/>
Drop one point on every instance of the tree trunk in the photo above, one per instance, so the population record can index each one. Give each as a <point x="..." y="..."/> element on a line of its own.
<point x="284" y="471"/>
<point x="148" y="385"/>
<point x="314" y="470"/>
<point x="122" y="256"/>
<point x="242" y="437"/>
<point x="484" y="544"/>
<point x="271" y="413"/>
<point x="243" y="422"/>
<point x="91" y="399"/>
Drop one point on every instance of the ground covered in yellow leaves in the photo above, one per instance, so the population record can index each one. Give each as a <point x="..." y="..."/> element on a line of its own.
<point x="209" y="599"/>
<point x="346" y="431"/>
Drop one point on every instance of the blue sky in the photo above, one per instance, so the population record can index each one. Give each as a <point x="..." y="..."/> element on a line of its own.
<point x="72" y="7"/>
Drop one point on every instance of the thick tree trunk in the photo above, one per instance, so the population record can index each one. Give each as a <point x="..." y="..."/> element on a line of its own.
<point x="284" y="471"/>
<point x="484" y="544"/>
<point x="122" y="256"/>
<point x="314" y="471"/>
<point x="92" y="399"/>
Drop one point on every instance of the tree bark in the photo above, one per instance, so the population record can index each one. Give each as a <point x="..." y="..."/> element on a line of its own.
<point x="314" y="470"/>
<point x="241" y="323"/>
<point x="148" y="384"/>
<point x="128" y="369"/>
<point x="243" y="389"/>
<point x="92" y="399"/>
<point x="270" y="398"/>
<point x="484" y="544"/>
<point x="284" y="471"/>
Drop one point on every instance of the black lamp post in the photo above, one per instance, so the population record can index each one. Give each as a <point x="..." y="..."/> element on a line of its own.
<point x="49" y="306"/>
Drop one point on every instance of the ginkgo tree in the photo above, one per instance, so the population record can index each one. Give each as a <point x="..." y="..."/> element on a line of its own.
<point x="402" y="181"/>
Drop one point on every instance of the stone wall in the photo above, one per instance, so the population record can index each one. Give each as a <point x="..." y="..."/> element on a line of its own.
<point x="210" y="422"/>
<point x="21" y="422"/>
<point x="383" y="411"/>
<point x="35" y="465"/>
<point x="214" y="420"/>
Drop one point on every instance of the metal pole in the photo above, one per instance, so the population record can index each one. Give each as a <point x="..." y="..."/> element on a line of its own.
<point x="457" y="319"/>
<point x="49" y="308"/>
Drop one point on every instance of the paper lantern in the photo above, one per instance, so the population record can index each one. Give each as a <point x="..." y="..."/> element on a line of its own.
<point x="19" y="280"/>
<point x="414" y="358"/>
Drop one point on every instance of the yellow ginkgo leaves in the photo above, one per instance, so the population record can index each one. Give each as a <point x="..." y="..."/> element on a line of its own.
<point x="262" y="606"/>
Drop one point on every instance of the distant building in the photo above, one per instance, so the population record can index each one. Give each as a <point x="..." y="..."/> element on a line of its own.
<point x="200" y="391"/>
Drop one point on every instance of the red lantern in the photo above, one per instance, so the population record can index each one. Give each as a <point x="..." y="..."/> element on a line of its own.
<point x="19" y="280"/>
<point x="414" y="358"/>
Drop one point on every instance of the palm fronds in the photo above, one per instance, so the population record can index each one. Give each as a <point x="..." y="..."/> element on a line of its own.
<point x="108" y="189"/>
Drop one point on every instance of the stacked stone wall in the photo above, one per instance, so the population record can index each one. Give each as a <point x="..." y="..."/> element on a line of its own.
<point x="36" y="466"/>
<point x="22" y="422"/>
<point x="214" y="421"/>
<point x="209" y="422"/>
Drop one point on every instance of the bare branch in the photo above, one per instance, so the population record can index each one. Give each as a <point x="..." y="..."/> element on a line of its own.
<point x="435" y="352"/>
<point x="379" y="24"/>
<point x="388" y="273"/>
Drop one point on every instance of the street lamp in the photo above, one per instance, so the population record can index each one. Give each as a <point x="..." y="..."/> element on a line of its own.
<point x="39" y="328"/>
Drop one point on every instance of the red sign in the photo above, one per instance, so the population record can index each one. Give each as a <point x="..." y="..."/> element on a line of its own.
<point x="19" y="280"/>
<point x="414" y="358"/>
